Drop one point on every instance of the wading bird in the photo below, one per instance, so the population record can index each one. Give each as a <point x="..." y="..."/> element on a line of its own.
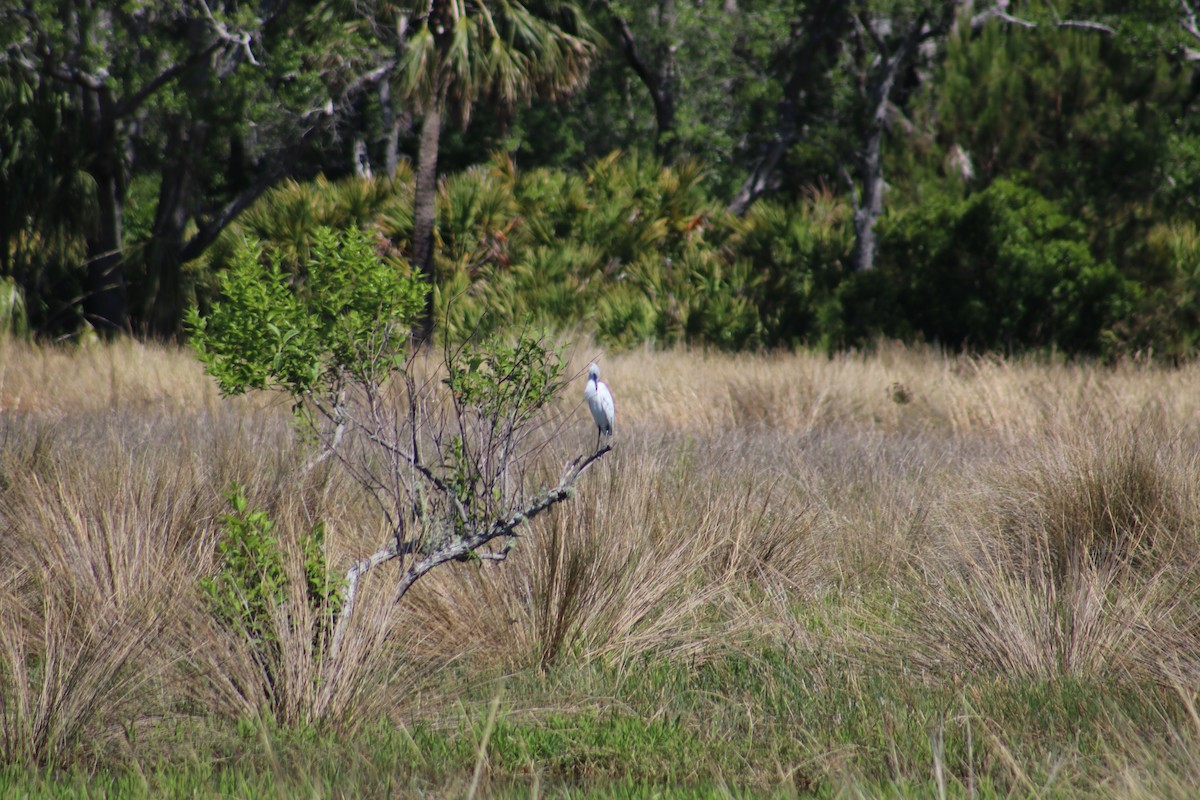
<point x="600" y="403"/>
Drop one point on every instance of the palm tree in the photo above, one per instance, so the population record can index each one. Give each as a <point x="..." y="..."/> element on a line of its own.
<point x="502" y="52"/>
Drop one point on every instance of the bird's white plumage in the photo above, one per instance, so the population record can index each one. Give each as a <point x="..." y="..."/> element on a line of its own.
<point x="600" y="402"/>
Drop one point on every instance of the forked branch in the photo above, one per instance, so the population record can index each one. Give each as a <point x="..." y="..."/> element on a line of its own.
<point x="460" y="547"/>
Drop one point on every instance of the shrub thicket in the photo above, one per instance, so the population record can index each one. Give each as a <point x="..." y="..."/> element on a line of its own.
<point x="638" y="252"/>
<point x="1004" y="268"/>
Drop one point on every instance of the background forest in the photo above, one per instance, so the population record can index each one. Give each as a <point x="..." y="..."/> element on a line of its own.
<point x="743" y="173"/>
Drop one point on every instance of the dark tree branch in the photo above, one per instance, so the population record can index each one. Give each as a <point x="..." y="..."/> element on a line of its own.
<point x="657" y="83"/>
<point x="208" y="230"/>
<point x="128" y="105"/>
<point x="814" y="38"/>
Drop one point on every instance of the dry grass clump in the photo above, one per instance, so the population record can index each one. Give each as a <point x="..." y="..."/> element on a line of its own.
<point x="298" y="680"/>
<point x="98" y="538"/>
<point x="1074" y="558"/>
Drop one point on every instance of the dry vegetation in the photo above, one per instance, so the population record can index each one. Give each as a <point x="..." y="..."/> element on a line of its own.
<point x="898" y="573"/>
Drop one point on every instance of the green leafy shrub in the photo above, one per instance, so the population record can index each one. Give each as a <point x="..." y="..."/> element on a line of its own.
<point x="1165" y="319"/>
<point x="1004" y="268"/>
<point x="14" y="318"/>
<point x="449" y="452"/>
<point x="346" y="314"/>
<point x="800" y="252"/>
<point x="251" y="590"/>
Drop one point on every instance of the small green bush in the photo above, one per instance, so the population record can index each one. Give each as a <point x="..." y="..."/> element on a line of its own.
<point x="251" y="589"/>
<point x="14" y="318"/>
<point x="799" y="254"/>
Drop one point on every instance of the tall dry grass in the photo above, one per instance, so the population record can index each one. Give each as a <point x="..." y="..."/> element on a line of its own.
<point x="905" y="509"/>
<point x="660" y="534"/>
<point x="1076" y="556"/>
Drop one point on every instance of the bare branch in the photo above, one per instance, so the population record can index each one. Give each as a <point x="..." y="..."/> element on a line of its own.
<point x="1087" y="25"/>
<point x="1000" y="12"/>
<point x="629" y="47"/>
<point x="464" y="546"/>
<point x="338" y="415"/>
<point x="1189" y="23"/>
<point x="502" y="527"/>
<point x="239" y="39"/>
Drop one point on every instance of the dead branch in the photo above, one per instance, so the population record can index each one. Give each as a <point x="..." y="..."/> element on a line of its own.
<point x="461" y="547"/>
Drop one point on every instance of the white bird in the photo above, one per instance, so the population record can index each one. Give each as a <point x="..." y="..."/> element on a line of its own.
<point x="600" y="403"/>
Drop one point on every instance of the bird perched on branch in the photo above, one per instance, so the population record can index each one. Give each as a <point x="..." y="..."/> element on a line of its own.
<point x="600" y="403"/>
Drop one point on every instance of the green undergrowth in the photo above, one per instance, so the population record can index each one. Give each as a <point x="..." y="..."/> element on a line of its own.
<point x="766" y="722"/>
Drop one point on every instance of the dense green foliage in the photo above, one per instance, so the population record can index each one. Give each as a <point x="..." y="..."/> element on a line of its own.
<point x="1004" y="268"/>
<point x="641" y="252"/>
<point x="767" y="108"/>
<point x="344" y="316"/>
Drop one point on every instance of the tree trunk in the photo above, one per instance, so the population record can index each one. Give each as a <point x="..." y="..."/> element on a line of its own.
<point x="870" y="206"/>
<point x="425" y="204"/>
<point x="666" y="85"/>
<point x="393" y="123"/>
<point x="106" y="298"/>
<point x="163" y="301"/>
<point x="659" y="82"/>
<point x="815" y="40"/>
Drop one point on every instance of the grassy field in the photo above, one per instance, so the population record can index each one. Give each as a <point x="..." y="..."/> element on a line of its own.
<point x="900" y="574"/>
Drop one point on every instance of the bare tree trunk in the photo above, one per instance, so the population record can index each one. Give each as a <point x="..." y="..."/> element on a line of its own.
<point x="425" y="204"/>
<point x="667" y="85"/>
<point x="869" y="207"/>
<point x="394" y="123"/>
